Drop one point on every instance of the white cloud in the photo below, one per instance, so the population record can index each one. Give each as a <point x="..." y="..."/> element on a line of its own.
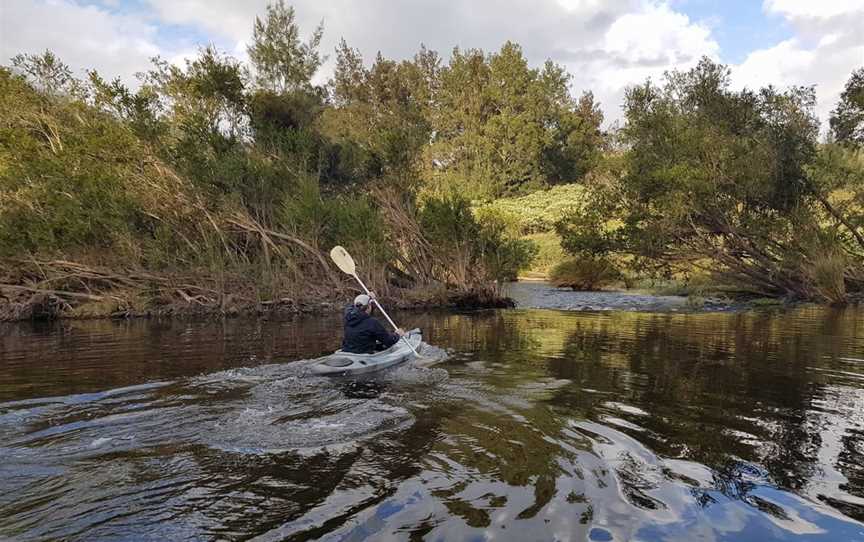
<point x="828" y="44"/>
<point x="85" y="37"/>
<point x="647" y="43"/>
<point x="810" y="9"/>
<point x="224" y="18"/>
<point x="658" y="35"/>
<point x="777" y="65"/>
<point x="641" y="43"/>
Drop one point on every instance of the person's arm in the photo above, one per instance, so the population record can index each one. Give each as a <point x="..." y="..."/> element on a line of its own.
<point x="399" y="331"/>
<point x="382" y="335"/>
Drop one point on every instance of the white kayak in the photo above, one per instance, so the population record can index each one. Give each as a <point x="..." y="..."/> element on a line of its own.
<point x="342" y="363"/>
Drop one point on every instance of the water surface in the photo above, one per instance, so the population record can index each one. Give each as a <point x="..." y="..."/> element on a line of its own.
<point x="541" y="425"/>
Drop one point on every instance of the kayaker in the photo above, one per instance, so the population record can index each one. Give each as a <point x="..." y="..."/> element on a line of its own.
<point x="364" y="334"/>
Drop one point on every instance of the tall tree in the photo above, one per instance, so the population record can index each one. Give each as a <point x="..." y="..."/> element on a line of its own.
<point x="282" y="62"/>
<point x="380" y="119"/>
<point x="847" y="119"/>
<point x="47" y="72"/>
<point x="503" y="127"/>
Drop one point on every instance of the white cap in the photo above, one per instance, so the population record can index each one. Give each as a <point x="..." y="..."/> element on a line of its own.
<point x="362" y="300"/>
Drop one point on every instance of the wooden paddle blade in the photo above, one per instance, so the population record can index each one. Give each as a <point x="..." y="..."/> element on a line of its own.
<point x="343" y="260"/>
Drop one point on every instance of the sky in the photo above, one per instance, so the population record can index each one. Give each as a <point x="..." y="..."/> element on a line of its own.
<point x="605" y="45"/>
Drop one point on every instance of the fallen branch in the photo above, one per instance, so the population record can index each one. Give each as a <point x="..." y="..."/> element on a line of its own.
<point x="58" y="293"/>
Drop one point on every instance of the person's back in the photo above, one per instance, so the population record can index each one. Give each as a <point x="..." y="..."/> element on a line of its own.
<point x="364" y="334"/>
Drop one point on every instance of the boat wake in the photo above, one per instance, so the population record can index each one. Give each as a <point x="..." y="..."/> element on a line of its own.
<point x="266" y="409"/>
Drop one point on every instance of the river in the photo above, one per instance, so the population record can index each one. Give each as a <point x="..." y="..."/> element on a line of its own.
<point x="539" y="425"/>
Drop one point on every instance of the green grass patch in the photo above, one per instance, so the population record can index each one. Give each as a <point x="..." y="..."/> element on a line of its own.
<point x="539" y="211"/>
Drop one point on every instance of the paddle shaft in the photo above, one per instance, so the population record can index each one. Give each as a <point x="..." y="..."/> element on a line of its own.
<point x="387" y="316"/>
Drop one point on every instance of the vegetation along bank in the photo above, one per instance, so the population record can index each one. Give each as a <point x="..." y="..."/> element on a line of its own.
<point x="218" y="187"/>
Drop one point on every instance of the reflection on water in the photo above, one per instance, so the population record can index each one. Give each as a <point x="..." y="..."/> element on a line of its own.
<point x="540" y="425"/>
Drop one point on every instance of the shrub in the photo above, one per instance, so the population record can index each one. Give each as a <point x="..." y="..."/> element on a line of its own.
<point x="549" y="253"/>
<point x="828" y="275"/>
<point x="473" y="250"/>
<point x="584" y="273"/>
<point x="83" y="182"/>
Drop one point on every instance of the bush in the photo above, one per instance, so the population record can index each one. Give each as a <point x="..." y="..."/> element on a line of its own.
<point x="83" y="183"/>
<point x="828" y="275"/>
<point x="584" y="274"/>
<point x="504" y="253"/>
<point x="474" y="250"/>
<point x="549" y="253"/>
<point x="733" y="179"/>
<point x="349" y="220"/>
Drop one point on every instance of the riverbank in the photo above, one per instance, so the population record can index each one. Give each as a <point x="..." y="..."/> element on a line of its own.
<point x="173" y="299"/>
<point x="40" y="306"/>
<point x="19" y="303"/>
<point x="537" y="294"/>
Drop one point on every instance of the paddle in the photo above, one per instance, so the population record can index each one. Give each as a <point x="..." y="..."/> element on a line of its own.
<point x="345" y="262"/>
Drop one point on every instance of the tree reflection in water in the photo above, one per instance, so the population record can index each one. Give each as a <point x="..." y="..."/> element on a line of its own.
<point x="545" y="426"/>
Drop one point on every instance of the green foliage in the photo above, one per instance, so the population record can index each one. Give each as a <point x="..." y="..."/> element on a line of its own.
<point x="549" y="253"/>
<point x="62" y="169"/>
<point x="712" y="174"/>
<point x="75" y="180"/>
<point x="380" y="123"/>
<point x="836" y="178"/>
<point x="194" y="165"/>
<point x="847" y="119"/>
<point x="338" y="220"/>
<point x="205" y="99"/>
<point x="199" y="112"/>
<point x="449" y="220"/>
<point x="139" y="110"/>
<point x="281" y="61"/>
<point x="588" y="229"/>
<point x="501" y="127"/>
<point x="47" y="73"/>
<point x="585" y="274"/>
<point x="474" y="250"/>
<point x="539" y="211"/>
<point x="504" y="253"/>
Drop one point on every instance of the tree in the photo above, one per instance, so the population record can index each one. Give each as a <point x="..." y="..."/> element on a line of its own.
<point x="208" y="134"/>
<point x="716" y="179"/>
<point x="577" y="145"/>
<point x="207" y="95"/>
<point x="282" y="62"/>
<point x="142" y="110"/>
<point x="379" y="124"/>
<point x="847" y="119"/>
<point x="502" y="127"/>
<point x="47" y="72"/>
<point x="211" y="164"/>
<point x="74" y="178"/>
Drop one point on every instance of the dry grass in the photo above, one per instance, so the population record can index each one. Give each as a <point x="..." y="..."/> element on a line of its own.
<point x="584" y="274"/>
<point x="828" y="273"/>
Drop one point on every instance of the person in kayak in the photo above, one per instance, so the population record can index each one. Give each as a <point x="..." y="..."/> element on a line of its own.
<point x="364" y="334"/>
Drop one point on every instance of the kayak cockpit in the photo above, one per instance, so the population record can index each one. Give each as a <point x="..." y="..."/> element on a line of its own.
<point x="342" y="363"/>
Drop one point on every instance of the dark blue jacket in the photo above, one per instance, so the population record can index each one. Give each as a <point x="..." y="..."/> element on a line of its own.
<point x="364" y="334"/>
